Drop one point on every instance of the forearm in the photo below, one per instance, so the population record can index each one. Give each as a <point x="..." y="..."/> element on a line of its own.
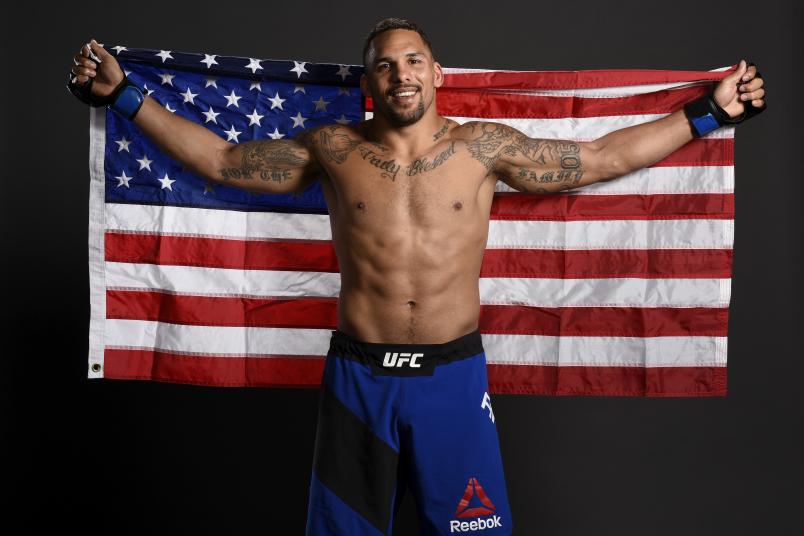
<point x="196" y="147"/>
<point x="639" y="146"/>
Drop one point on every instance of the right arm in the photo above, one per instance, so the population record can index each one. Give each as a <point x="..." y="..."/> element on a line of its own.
<point x="261" y="166"/>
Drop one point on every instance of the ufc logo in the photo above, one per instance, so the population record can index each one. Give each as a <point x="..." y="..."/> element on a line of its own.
<point x="487" y="404"/>
<point x="396" y="359"/>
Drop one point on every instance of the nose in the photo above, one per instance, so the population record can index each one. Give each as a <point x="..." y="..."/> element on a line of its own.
<point x="402" y="72"/>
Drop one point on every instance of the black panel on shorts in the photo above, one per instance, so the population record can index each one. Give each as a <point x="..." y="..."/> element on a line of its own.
<point x="353" y="462"/>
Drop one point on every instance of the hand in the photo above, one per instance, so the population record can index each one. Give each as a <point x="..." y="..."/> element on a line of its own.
<point x="741" y="88"/>
<point x="105" y="76"/>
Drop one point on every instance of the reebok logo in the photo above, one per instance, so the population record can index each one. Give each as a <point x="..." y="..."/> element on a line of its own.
<point x="463" y="511"/>
<point x="397" y="359"/>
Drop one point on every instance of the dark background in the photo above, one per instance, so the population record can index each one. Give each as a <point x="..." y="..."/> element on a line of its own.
<point x="135" y="457"/>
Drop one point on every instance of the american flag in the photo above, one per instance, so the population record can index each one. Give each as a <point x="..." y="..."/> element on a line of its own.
<point x="619" y="288"/>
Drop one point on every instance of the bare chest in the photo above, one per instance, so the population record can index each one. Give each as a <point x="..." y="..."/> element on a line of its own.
<point x="378" y="185"/>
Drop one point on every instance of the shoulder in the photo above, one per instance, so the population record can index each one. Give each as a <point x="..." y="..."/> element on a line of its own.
<point x="485" y="131"/>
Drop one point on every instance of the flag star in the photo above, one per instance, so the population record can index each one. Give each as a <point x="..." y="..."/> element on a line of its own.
<point x="118" y="49"/>
<point x="343" y="72"/>
<point x="145" y="163"/>
<point x="300" y="88"/>
<point x="188" y="96"/>
<point x="169" y="109"/>
<point x="276" y="101"/>
<point x="232" y="134"/>
<point x="343" y="91"/>
<point x="208" y="187"/>
<point x="149" y="91"/>
<point x="211" y="116"/>
<point x="210" y="82"/>
<point x="255" y="85"/>
<point x="209" y="59"/>
<point x="167" y="78"/>
<point x="165" y="54"/>
<point x="321" y="104"/>
<point x="123" y="180"/>
<point x="253" y="65"/>
<point x="232" y="98"/>
<point x="298" y="68"/>
<point x="166" y="182"/>
<point x="342" y="120"/>
<point x="276" y="135"/>
<point x="124" y="143"/>
<point x="255" y="118"/>
<point x="298" y="121"/>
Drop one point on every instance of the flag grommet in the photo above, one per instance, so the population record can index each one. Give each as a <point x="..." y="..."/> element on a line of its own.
<point x="96" y="367"/>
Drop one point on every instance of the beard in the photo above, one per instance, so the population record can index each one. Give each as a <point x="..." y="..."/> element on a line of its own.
<point x="403" y="118"/>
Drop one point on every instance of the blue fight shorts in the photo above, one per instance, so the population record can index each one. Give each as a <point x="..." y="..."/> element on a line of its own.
<point x="393" y="416"/>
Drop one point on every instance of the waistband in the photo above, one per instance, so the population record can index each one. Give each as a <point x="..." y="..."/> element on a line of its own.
<point x="405" y="359"/>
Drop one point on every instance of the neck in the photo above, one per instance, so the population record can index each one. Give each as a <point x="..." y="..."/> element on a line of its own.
<point x="411" y="139"/>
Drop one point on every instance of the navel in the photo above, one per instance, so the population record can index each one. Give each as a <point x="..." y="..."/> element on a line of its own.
<point x="411" y="304"/>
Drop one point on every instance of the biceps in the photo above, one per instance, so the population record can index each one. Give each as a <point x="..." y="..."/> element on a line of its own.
<point x="545" y="166"/>
<point x="275" y="166"/>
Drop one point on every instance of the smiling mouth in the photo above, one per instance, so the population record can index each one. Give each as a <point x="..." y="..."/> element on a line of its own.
<point x="403" y="95"/>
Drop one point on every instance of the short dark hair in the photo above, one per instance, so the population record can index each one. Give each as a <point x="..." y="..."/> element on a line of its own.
<point x="394" y="23"/>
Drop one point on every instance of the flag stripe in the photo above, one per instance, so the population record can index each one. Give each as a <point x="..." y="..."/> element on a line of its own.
<point x="301" y="371"/>
<point x="564" y="350"/>
<point x="549" y="292"/>
<point x="319" y="256"/>
<point x="696" y="233"/>
<point x="322" y="313"/>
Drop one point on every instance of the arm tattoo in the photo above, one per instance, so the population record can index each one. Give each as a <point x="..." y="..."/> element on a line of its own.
<point x="561" y="154"/>
<point x="336" y="147"/>
<point x="270" y="160"/>
<point x="486" y="147"/>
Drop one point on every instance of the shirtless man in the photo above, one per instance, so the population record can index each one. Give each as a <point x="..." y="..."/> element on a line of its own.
<point x="404" y="395"/>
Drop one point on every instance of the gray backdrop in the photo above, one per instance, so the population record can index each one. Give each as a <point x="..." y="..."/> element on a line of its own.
<point x="136" y="457"/>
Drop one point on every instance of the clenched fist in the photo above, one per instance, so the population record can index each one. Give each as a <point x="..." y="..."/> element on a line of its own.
<point x="96" y="68"/>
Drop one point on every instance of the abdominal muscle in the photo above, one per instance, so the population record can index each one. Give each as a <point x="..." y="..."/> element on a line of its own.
<point x="410" y="282"/>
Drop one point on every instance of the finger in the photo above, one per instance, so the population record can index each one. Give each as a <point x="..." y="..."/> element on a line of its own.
<point x="758" y="94"/>
<point x="81" y="60"/>
<point x="737" y="74"/>
<point x="98" y="50"/>
<point x="759" y="103"/>
<point x="85" y="71"/>
<point x="753" y="85"/>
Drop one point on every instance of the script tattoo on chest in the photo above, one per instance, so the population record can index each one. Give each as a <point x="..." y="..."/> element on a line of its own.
<point x="422" y="165"/>
<point x="388" y="167"/>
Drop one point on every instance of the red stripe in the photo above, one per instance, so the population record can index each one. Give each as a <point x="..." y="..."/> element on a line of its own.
<point x="552" y="263"/>
<point x="569" y="207"/>
<point x="502" y="319"/>
<point x="307" y="371"/>
<point x="577" y="79"/>
<point x="607" y="381"/>
<point x="496" y="104"/>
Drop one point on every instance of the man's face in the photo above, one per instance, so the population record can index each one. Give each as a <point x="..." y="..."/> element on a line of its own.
<point x="401" y="76"/>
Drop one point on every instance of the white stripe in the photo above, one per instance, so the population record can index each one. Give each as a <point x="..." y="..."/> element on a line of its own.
<point x="97" y="224"/>
<point x="605" y="351"/>
<point x="579" y="128"/>
<point x="542" y="292"/>
<point x="658" y="180"/>
<point x="594" y="234"/>
<point x="500" y="349"/>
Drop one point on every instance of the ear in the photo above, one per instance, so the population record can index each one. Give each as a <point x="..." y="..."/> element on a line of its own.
<point x="438" y="80"/>
<point x="364" y="86"/>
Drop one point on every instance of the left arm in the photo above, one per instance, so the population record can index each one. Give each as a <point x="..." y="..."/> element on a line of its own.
<point x="548" y="166"/>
